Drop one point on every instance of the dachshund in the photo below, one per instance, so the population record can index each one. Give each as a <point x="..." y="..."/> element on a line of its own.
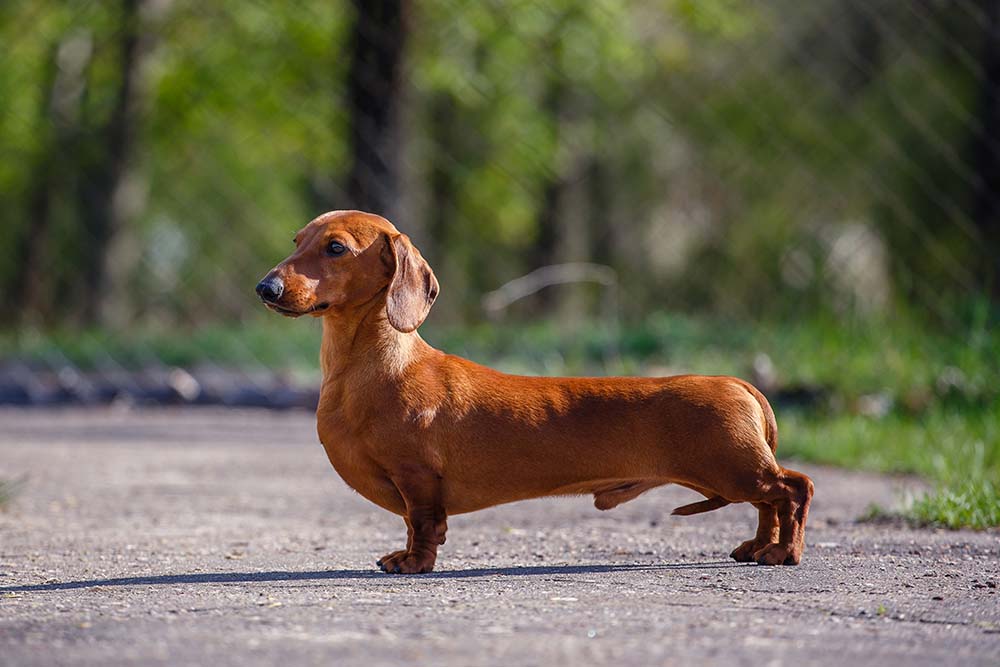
<point x="427" y="435"/>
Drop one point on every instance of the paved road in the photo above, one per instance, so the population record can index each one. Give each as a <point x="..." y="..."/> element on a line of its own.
<point x="224" y="538"/>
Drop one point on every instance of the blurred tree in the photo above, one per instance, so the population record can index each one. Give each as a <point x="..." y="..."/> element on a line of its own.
<point x="721" y="156"/>
<point x="59" y="132"/>
<point x="107" y="187"/>
<point x="553" y="104"/>
<point x="985" y="150"/>
<point x="374" y="83"/>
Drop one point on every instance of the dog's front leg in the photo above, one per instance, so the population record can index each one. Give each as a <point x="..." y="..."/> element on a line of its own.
<point x="402" y="552"/>
<point x="426" y="523"/>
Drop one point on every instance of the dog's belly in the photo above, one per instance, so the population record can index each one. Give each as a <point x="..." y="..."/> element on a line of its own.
<point x="474" y="481"/>
<point x="521" y="463"/>
<point x="608" y="493"/>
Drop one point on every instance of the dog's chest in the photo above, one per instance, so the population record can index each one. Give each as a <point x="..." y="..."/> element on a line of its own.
<point x="361" y="474"/>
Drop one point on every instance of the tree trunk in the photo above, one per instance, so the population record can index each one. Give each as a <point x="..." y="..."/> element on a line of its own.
<point x="599" y="237"/>
<point x="64" y="85"/>
<point x="445" y="133"/>
<point x="985" y="152"/>
<point x="373" y="87"/>
<point x="103" y="201"/>
<point x="546" y="248"/>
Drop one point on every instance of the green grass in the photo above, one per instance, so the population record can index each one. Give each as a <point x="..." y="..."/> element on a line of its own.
<point x="945" y="444"/>
<point x="940" y="388"/>
<point x="271" y="342"/>
<point x="972" y="504"/>
<point x="956" y="447"/>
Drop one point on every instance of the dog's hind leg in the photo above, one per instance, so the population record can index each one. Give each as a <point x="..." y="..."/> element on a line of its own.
<point x="790" y="494"/>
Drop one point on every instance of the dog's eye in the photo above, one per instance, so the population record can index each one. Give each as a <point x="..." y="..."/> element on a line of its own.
<point x="335" y="249"/>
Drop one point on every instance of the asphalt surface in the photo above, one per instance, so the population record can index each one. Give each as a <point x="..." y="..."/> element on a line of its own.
<point x="225" y="538"/>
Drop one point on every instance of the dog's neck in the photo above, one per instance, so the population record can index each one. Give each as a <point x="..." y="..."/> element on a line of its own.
<point x="366" y="347"/>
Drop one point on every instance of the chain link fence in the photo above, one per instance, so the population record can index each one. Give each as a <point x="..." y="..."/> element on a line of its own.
<point x="722" y="166"/>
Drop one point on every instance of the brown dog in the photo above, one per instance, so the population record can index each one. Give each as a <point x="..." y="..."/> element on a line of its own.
<point x="425" y="434"/>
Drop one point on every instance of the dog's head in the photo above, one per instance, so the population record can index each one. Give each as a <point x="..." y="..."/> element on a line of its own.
<point x="346" y="259"/>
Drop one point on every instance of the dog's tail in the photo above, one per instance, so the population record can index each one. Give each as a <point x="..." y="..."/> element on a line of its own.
<point x="713" y="503"/>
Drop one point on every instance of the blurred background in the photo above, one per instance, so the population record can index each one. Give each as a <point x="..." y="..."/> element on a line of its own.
<point x="803" y="194"/>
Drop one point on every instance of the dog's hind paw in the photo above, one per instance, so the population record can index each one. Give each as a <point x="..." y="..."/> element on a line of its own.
<point x="745" y="552"/>
<point x="776" y="554"/>
<point x="395" y="555"/>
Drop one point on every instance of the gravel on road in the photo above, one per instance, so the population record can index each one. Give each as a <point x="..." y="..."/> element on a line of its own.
<point x="206" y="536"/>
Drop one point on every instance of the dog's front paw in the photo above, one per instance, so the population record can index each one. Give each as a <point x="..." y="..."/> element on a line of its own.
<point x="776" y="554"/>
<point x="406" y="562"/>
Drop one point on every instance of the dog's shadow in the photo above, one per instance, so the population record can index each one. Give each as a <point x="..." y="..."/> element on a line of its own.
<point x="373" y="574"/>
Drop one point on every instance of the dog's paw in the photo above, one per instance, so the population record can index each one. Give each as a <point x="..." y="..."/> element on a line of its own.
<point x="775" y="554"/>
<point x="745" y="553"/>
<point x="406" y="562"/>
<point x="391" y="558"/>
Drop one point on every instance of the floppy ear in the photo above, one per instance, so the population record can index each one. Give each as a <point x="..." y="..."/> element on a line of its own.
<point x="413" y="287"/>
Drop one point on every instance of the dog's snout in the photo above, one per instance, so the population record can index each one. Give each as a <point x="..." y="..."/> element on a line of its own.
<point x="270" y="288"/>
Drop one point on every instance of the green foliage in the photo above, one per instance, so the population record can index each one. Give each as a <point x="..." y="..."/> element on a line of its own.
<point x="764" y="119"/>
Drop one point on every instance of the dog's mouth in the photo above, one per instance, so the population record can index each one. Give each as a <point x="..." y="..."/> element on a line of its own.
<point x="288" y="312"/>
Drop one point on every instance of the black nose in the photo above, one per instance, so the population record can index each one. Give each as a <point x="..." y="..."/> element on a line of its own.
<point x="270" y="288"/>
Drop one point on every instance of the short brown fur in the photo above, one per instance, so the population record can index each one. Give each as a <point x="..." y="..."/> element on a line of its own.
<point x="427" y="435"/>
